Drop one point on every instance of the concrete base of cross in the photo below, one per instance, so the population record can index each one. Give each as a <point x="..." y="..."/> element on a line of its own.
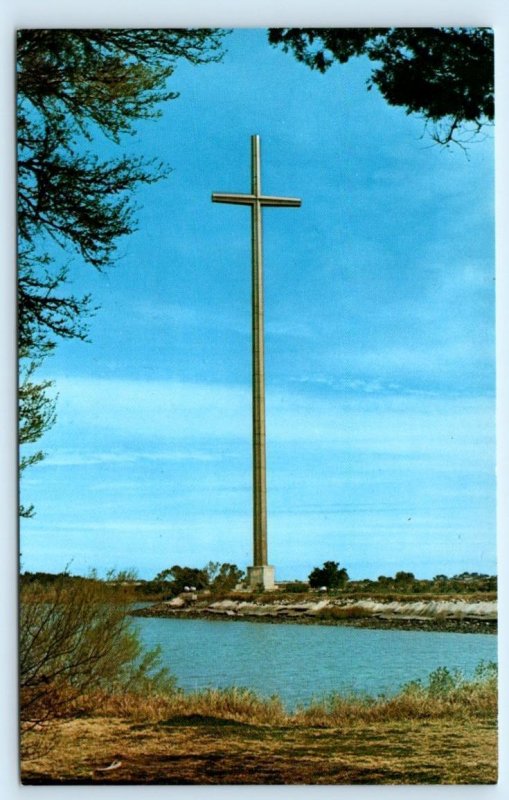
<point x="261" y="578"/>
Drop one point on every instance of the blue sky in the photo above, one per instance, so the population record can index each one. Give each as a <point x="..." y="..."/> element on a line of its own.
<point x="379" y="343"/>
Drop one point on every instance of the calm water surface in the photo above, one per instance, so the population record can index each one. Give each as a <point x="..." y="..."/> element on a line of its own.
<point x="299" y="662"/>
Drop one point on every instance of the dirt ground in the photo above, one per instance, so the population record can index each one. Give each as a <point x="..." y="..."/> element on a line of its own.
<point x="205" y="750"/>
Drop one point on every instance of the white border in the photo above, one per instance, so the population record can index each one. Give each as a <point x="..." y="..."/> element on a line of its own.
<point x="229" y="13"/>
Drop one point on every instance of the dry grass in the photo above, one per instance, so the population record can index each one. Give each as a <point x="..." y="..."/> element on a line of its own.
<point x="245" y="707"/>
<point x="353" y="594"/>
<point x="235" y="705"/>
<point x="208" y="751"/>
<point x="337" y="709"/>
<point x="445" y="695"/>
<point x="343" y="613"/>
<point x="442" y="731"/>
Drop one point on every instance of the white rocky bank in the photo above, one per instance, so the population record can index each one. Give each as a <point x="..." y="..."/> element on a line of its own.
<point x="410" y="610"/>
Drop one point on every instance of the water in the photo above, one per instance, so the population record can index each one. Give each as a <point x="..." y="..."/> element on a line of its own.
<point x="302" y="662"/>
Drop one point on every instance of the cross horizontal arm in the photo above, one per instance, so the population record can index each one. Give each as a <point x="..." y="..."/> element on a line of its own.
<point x="250" y="199"/>
<point x="267" y="200"/>
<point x="239" y="199"/>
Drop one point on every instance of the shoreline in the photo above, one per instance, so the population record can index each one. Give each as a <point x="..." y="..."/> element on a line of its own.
<point x="428" y="617"/>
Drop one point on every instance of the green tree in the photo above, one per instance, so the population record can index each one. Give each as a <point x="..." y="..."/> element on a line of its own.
<point x="223" y="577"/>
<point x="180" y="579"/>
<point x="36" y="415"/>
<point x="76" y="87"/>
<point x="330" y="576"/>
<point x="404" y="577"/>
<point x="444" y="74"/>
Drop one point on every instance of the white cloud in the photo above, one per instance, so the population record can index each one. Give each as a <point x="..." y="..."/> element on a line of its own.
<point x="424" y="361"/>
<point x="71" y="458"/>
<point x="168" y="410"/>
<point x="296" y="329"/>
<point x="437" y="329"/>
<point x="177" y="315"/>
<point x="185" y="421"/>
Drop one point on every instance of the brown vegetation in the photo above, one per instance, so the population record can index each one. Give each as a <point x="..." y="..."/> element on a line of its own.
<point x="446" y="695"/>
<point x="443" y="731"/>
<point x="211" y="751"/>
<point x="342" y="613"/>
<point x="76" y="638"/>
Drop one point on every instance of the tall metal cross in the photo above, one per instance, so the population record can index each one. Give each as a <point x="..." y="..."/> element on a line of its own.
<point x="260" y="572"/>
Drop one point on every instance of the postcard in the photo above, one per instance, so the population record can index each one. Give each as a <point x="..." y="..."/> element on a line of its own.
<point x="256" y="332"/>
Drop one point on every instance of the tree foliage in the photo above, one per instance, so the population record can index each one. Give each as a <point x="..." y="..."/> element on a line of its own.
<point x="74" y="85"/>
<point x="444" y="74"/>
<point x="331" y="576"/>
<point x="180" y="579"/>
<point x="214" y="576"/>
<point x="403" y="577"/>
<point x="36" y="415"/>
<point x="77" y="88"/>
<point x="223" y="577"/>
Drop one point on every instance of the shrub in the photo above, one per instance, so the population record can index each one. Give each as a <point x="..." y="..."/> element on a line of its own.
<point x="77" y="638"/>
<point x="445" y="694"/>
<point x="330" y="576"/>
<point x="295" y="587"/>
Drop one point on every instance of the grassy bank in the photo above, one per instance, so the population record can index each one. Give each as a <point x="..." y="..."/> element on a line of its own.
<point x="441" y="731"/>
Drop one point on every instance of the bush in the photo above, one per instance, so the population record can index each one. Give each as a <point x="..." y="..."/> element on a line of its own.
<point x="330" y="576"/>
<point x="295" y="587"/>
<point x="76" y="638"/>
<point x="446" y="694"/>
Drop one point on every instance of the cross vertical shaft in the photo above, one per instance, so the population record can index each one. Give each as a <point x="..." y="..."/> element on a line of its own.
<point x="259" y="442"/>
<point x="260" y="573"/>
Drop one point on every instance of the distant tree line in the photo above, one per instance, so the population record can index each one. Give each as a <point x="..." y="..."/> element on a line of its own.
<point x="407" y="583"/>
<point x="222" y="578"/>
<point x="215" y="577"/>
